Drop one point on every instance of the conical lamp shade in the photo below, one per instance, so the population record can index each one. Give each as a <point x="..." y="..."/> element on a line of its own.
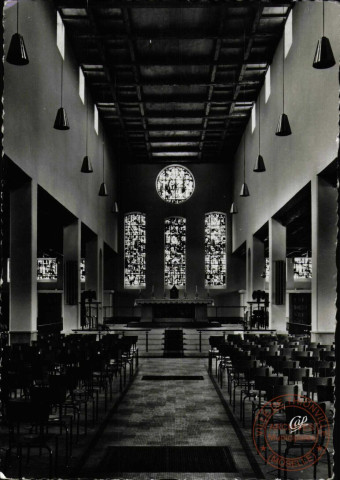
<point x="17" y="54"/>
<point x="233" y="209"/>
<point x="259" y="165"/>
<point x="61" y="120"/>
<point x="323" y="57"/>
<point x="103" y="190"/>
<point x="86" y="166"/>
<point x="283" y="127"/>
<point x="244" y="190"/>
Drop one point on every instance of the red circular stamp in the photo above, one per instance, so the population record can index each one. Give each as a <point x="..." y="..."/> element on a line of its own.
<point x="291" y="432"/>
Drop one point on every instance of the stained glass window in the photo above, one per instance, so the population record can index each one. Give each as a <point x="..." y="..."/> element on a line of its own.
<point x="174" y="252"/>
<point x="267" y="270"/>
<point x="175" y="184"/>
<point x="215" y="249"/>
<point x="82" y="270"/>
<point x="47" y="269"/>
<point x="134" y="249"/>
<point x="302" y="268"/>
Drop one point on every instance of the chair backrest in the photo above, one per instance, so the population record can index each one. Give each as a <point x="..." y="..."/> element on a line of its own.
<point x="297" y="374"/>
<point x="215" y="341"/>
<point x="325" y="393"/>
<point x="58" y="388"/>
<point x="276" y="391"/>
<point x="265" y="383"/>
<point x="18" y="412"/>
<point x="310" y="384"/>
<point x="287" y="364"/>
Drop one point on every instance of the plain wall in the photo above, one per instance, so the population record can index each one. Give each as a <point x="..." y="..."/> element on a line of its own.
<point x="31" y="98"/>
<point x="311" y="103"/>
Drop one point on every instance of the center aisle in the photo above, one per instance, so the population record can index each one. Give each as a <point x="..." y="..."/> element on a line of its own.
<point x="169" y="413"/>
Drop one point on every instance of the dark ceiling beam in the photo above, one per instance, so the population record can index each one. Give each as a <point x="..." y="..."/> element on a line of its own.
<point x="184" y="83"/>
<point x="248" y="46"/>
<point x="171" y="140"/>
<point x="179" y="128"/>
<point x="169" y="3"/>
<point x="101" y="51"/>
<point x="181" y="115"/>
<point x="183" y="63"/>
<point x="137" y="76"/>
<point x="213" y="68"/>
<point x="112" y="36"/>
<point x="195" y="100"/>
<point x="170" y="101"/>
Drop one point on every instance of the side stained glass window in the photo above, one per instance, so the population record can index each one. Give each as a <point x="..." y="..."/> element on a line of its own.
<point x="174" y="251"/>
<point x="302" y="268"/>
<point x="215" y="249"/>
<point x="134" y="250"/>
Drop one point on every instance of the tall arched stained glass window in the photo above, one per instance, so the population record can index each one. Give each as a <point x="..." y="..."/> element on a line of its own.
<point x="134" y="250"/>
<point x="215" y="249"/>
<point x="174" y="251"/>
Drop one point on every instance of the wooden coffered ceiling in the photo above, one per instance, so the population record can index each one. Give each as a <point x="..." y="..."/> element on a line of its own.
<point x="174" y="80"/>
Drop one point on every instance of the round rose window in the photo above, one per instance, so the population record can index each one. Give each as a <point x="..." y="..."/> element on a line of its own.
<point x="175" y="184"/>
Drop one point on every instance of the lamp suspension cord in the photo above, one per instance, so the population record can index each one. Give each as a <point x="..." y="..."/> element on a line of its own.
<point x="244" y="96"/>
<point x="103" y="161"/>
<point x="283" y="70"/>
<point x="87" y="118"/>
<point x="259" y="123"/>
<point x="17" y="16"/>
<point x="62" y="81"/>
<point x="283" y="76"/>
<point x="323" y="19"/>
<point x="86" y="93"/>
<point x="244" y="158"/>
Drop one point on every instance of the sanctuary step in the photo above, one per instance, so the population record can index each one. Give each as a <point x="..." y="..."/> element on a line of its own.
<point x="195" y="339"/>
<point x="173" y="343"/>
<point x="172" y="323"/>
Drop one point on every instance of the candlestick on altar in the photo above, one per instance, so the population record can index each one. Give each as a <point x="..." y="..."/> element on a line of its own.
<point x="196" y="293"/>
<point x="153" y="291"/>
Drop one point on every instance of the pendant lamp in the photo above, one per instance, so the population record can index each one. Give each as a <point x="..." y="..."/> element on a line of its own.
<point x="233" y="209"/>
<point x="259" y="166"/>
<point x="323" y="57"/>
<point x="244" y="189"/>
<point x="115" y="208"/>
<point x="103" y="190"/>
<point x="61" y="120"/>
<point x="17" y="54"/>
<point x="86" y="165"/>
<point x="283" y="128"/>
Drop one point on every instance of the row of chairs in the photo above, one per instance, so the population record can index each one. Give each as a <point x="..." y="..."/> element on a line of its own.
<point x="53" y="384"/>
<point x="265" y="367"/>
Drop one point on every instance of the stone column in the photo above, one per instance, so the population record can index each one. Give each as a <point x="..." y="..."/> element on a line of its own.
<point x="72" y="239"/>
<point x="324" y="234"/>
<point x="23" y="263"/>
<point x="277" y="251"/>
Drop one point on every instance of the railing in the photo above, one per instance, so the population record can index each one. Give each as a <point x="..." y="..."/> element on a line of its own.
<point x="146" y="330"/>
<point x="50" y="327"/>
<point x="212" y="330"/>
<point x="118" y="311"/>
<point x="217" y="311"/>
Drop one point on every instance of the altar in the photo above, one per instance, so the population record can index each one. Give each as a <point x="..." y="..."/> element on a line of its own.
<point x="194" y="309"/>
